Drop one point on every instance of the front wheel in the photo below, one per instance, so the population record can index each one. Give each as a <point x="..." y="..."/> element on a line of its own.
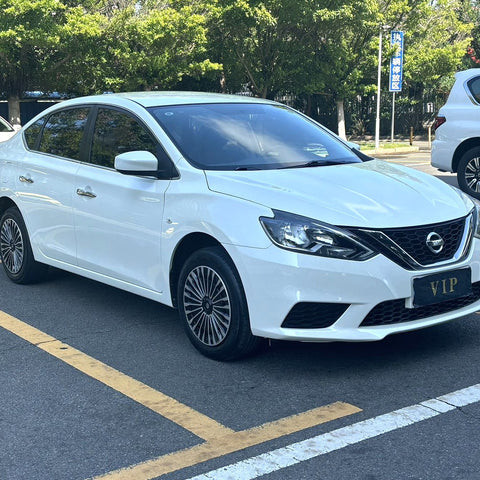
<point x="468" y="173"/>
<point x="15" y="250"/>
<point x="213" y="307"/>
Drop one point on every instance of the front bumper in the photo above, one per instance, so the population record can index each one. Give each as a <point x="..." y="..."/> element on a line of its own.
<point x="275" y="280"/>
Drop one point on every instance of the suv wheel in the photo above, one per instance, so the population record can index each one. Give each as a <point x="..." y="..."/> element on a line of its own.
<point x="468" y="173"/>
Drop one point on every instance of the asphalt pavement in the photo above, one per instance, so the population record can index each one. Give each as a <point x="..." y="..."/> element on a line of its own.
<point x="99" y="383"/>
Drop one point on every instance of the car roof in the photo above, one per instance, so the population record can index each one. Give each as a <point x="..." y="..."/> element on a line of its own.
<point x="149" y="99"/>
<point x="167" y="98"/>
<point x="467" y="74"/>
<point x="459" y="93"/>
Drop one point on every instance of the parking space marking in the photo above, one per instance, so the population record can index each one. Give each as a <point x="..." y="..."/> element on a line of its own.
<point x="219" y="440"/>
<point x="296" y="453"/>
<point x="189" y="419"/>
<point x="230" y="443"/>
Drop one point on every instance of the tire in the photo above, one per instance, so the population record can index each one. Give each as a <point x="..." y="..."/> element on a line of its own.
<point x="213" y="307"/>
<point x="468" y="173"/>
<point x="16" y="252"/>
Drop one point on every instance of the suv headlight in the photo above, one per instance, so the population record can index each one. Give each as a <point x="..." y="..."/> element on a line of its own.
<point x="305" y="235"/>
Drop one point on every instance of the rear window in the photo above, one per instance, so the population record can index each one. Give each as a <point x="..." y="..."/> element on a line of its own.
<point x="474" y="87"/>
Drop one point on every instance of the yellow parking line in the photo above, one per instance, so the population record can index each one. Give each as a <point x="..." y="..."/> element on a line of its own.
<point x="219" y="440"/>
<point x="189" y="419"/>
<point x="230" y="443"/>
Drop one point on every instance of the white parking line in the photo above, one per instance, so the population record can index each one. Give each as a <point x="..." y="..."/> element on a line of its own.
<point x="295" y="453"/>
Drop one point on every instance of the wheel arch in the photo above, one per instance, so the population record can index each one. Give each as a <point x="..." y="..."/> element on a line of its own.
<point x="461" y="149"/>
<point x="5" y="204"/>
<point x="188" y="245"/>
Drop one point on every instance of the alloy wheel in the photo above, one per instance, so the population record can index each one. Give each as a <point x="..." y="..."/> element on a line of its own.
<point x="11" y="246"/>
<point x="472" y="174"/>
<point x="207" y="305"/>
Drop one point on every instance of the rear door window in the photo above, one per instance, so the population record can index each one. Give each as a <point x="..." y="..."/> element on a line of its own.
<point x="32" y="132"/>
<point x="63" y="133"/>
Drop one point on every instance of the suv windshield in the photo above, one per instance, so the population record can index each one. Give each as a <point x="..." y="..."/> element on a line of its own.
<point x="249" y="137"/>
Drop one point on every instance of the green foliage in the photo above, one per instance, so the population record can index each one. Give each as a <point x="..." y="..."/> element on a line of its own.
<point x="155" y="48"/>
<point x="90" y="47"/>
<point x="38" y="38"/>
<point x="437" y="41"/>
<point x="303" y="48"/>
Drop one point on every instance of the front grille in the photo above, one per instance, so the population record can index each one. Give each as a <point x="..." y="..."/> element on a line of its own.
<point x="314" y="315"/>
<point x="394" y="311"/>
<point x="408" y="248"/>
<point x="413" y="240"/>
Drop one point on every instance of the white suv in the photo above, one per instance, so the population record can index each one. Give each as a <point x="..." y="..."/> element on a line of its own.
<point x="457" y="132"/>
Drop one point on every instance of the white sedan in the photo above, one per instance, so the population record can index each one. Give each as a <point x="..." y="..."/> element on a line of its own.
<point x="249" y="217"/>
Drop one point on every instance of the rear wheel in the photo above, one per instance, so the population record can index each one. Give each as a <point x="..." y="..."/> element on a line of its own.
<point x="15" y="250"/>
<point x="213" y="307"/>
<point x="468" y="172"/>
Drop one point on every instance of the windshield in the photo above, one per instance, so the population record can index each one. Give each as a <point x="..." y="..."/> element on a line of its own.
<point x="249" y="137"/>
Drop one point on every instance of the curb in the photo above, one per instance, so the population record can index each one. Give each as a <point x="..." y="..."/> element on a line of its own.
<point x="388" y="151"/>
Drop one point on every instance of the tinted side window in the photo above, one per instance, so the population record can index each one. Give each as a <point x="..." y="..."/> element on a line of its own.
<point x="4" y="127"/>
<point x="63" y="133"/>
<point x="474" y="87"/>
<point x="32" y="132"/>
<point x="117" y="132"/>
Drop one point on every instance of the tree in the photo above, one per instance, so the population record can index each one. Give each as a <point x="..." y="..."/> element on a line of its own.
<point x="90" y="47"/>
<point x="309" y="47"/>
<point x="472" y="15"/>
<point x="437" y="39"/>
<point x="153" y="46"/>
<point x="37" y="39"/>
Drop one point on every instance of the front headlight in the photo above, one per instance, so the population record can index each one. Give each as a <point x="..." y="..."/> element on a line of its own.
<point x="306" y="235"/>
<point x="476" y="218"/>
<point x="475" y="211"/>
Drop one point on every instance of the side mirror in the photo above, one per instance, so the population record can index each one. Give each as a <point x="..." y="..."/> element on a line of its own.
<point x="141" y="163"/>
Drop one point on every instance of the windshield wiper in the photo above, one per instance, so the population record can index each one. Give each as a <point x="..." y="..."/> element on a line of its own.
<point x="244" y="169"/>
<point x="314" y="163"/>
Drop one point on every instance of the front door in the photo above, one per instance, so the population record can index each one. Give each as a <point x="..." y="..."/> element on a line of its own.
<point x="118" y="217"/>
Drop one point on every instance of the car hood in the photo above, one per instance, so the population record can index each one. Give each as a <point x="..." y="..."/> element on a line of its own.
<point x="373" y="194"/>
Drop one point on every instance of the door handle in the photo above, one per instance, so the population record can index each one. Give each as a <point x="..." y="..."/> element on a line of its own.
<point x="85" y="193"/>
<point x="25" y="179"/>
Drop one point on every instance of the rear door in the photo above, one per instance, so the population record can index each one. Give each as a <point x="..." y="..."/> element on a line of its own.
<point x="45" y="181"/>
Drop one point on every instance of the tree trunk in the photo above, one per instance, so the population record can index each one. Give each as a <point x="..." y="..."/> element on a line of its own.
<point x="341" y="119"/>
<point x="14" y="111"/>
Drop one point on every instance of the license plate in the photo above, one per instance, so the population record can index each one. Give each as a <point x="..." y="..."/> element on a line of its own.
<point x="441" y="287"/>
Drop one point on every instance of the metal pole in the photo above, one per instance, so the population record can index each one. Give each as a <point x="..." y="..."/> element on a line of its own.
<point x="393" y="116"/>
<point x="377" y="120"/>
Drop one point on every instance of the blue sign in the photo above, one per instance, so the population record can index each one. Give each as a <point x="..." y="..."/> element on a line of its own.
<point x="396" y="62"/>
